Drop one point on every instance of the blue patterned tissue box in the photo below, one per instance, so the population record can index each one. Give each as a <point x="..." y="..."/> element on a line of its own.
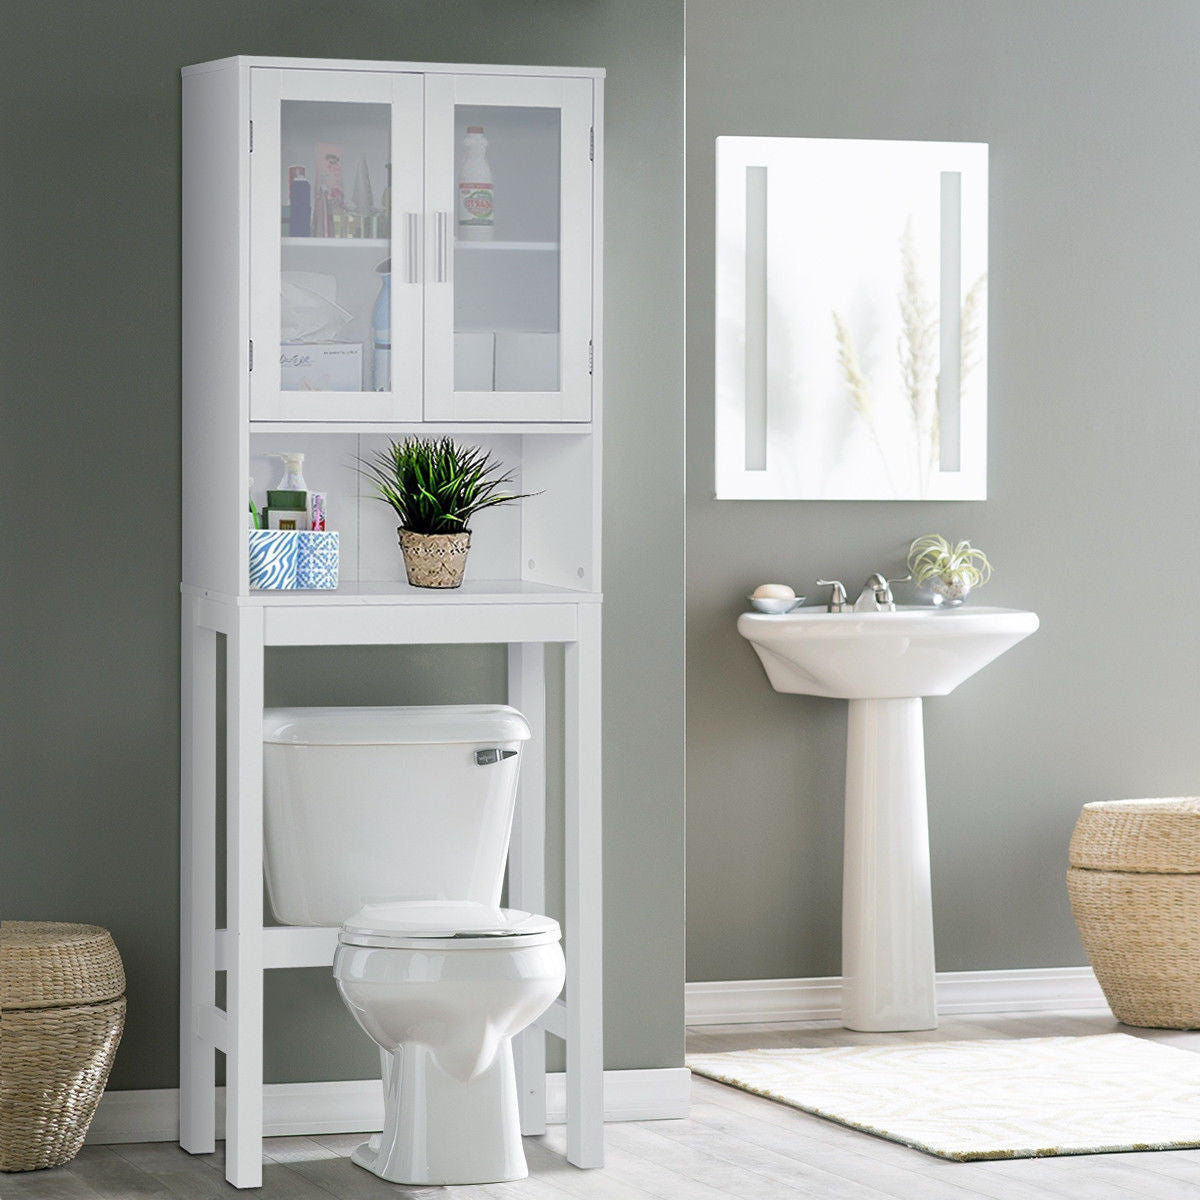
<point x="317" y="566"/>
<point x="273" y="558"/>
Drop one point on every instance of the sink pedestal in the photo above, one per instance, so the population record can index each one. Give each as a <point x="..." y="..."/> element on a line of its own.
<point x="887" y="911"/>
<point x="882" y="663"/>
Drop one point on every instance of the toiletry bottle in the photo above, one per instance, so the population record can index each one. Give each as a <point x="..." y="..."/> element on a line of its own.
<point x="381" y="328"/>
<point x="475" y="211"/>
<point x="293" y="478"/>
<point x="322" y="225"/>
<point x="300" y="201"/>
<point x="316" y="511"/>
<point x="385" y="216"/>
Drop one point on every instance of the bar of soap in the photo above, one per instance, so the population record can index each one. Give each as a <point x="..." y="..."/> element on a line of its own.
<point x="774" y="591"/>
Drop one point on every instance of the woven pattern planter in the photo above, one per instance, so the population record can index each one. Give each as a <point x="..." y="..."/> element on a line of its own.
<point x="1134" y="883"/>
<point x="62" y="1011"/>
<point x="435" y="560"/>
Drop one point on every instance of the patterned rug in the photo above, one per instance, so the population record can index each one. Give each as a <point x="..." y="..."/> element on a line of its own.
<point x="1022" y="1098"/>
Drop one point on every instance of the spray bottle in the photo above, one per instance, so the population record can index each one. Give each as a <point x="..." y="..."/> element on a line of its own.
<point x="381" y="328"/>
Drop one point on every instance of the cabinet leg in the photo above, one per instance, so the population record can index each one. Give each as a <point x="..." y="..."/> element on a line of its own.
<point x="584" y="893"/>
<point x="527" y="858"/>
<point x="198" y="866"/>
<point x="244" y="1054"/>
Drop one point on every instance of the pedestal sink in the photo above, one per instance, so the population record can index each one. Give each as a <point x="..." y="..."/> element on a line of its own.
<point x="884" y="663"/>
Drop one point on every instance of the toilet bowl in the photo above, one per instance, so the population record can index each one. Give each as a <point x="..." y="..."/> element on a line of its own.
<point x="394" y="824"/>
<point x="442" y="989"/>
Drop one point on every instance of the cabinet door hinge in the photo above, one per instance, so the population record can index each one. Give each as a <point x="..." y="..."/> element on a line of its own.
<point x="251" y="137"/>
<point x="592" y="144"/>
<point x="591" y="357"/>
<point x="252" y="354"/>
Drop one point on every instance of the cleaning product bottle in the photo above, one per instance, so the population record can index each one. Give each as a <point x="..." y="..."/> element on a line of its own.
<point x="293" y="477"/>
<point x="475" y="212"/>
<point x="381" y="328"/>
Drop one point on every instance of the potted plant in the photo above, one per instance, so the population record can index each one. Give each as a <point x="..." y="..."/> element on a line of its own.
<point x="435" y="486"/>
<point x="949" y="571"/>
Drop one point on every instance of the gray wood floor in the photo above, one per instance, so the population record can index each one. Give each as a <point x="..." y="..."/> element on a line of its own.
<point x="732" y="1145"/>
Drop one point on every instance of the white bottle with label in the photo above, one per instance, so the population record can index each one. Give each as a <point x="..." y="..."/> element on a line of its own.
<point x="476" y="215"/>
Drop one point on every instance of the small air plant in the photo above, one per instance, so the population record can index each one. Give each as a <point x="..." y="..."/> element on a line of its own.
<point x="434" y="485"/>
<point x="950" y="571"/>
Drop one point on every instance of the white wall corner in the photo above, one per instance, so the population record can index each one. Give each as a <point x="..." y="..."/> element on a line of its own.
<point x="765" y="1001"/>
<point x="356" y="1106"/>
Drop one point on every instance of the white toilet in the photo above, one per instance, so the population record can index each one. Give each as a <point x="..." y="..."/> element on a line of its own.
<point x="394" y="824"/>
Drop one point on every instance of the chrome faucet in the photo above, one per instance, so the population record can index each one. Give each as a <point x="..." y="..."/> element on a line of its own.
<point x="876" y="595"/>
<point x="837" y="598"/>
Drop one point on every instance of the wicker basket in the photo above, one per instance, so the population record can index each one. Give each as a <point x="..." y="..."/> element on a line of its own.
<point x="1134" y="883"/>
<point x="62" y="1010"/>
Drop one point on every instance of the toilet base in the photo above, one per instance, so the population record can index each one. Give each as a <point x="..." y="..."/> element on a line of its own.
<point x="439" y="1130"/>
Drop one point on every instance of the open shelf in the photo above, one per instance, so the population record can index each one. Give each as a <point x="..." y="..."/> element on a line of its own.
<point x="391" y="591"/>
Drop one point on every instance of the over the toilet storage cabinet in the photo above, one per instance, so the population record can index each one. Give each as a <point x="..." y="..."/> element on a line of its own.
<point x="495" y="341"/>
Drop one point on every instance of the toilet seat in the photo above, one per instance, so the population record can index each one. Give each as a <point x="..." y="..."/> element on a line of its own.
<point x="446" y="925"/>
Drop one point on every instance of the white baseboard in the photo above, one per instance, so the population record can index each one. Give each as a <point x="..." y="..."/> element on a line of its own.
<point x="755" y="1001"/>
<point x="356" y="1106"/>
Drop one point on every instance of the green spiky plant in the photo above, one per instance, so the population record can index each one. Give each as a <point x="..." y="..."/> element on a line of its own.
<point x="434" y="485"/>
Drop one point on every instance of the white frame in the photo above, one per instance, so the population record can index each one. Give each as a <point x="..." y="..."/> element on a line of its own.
<point x="786" y="425"/>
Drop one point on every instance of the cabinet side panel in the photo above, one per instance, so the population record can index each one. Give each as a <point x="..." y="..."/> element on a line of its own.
<point x="214" y="343"/>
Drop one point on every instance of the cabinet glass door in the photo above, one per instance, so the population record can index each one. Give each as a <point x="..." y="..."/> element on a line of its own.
<point x="336" y="196"/>
<point x="508" y="246"/>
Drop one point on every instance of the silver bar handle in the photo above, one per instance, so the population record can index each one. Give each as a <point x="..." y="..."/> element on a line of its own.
<point x="442" y="244"/>
<point x="414" y="247"/>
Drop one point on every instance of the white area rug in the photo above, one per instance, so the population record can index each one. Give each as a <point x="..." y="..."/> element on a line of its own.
<point x="1022" y="1098"/>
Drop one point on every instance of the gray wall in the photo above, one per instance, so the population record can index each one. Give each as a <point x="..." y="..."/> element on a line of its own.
<point x="89" y="359"/>
<point x="1092" y="112"/>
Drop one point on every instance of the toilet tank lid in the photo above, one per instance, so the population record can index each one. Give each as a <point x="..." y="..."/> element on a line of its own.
<point x="432" y="724"/>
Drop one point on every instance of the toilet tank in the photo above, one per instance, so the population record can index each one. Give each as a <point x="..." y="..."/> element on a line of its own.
<point x="362" y="805"/>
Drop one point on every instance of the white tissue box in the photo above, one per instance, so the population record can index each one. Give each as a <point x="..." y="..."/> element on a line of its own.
<point x="321" y="367"/>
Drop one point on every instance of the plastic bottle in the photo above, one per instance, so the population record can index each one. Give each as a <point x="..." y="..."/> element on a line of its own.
<point x="300" y="203"/>
<point x="293" y="477"/>
<point x="255" y="521"/>
<point x="385" y="216"/>
<point x="381" y="328"/>
<point x="476" y="216"/>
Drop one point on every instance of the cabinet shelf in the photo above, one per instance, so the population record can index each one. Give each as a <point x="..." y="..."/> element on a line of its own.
<point x="323" y="243"/>
<point x="486" y="247"/>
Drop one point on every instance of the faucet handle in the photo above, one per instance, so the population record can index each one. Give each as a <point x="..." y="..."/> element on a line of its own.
<point x="837" y="598"/>
<point x="877" y="594"/>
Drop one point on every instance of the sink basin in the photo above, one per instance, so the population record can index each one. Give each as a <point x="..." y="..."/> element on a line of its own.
<point x="872" y="656"/>
<point x="884" y="664"/>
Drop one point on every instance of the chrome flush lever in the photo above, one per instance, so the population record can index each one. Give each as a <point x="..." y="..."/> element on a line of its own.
<point x="494" y="754"/>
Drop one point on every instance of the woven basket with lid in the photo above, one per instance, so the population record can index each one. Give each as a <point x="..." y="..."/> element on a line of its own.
<point x="62" y="1011"/>
<point x="1134" y="883"/>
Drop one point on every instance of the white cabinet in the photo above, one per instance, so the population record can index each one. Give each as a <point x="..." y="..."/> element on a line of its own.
<point x="307" y="187"/>
<point x="355" y="187"/>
